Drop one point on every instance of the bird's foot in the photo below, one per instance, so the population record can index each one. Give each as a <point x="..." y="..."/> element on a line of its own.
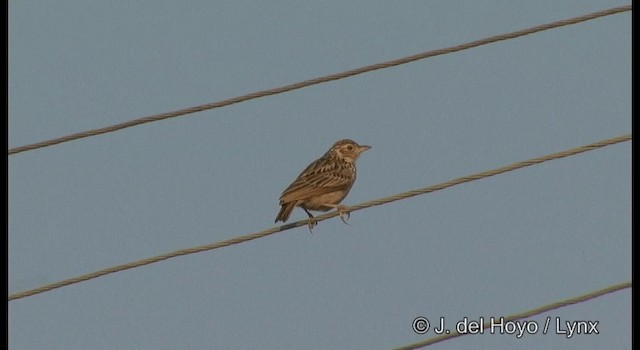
<point x="344" y="214"/>
<point x="311" y="223"/>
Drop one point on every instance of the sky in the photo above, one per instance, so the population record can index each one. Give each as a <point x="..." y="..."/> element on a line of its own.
<point x="492" y="247"/>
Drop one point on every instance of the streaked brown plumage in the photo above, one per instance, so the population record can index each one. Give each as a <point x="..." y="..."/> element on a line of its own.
<point x="324" y="183"/>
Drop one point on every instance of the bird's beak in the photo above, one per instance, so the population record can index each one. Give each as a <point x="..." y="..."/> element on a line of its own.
<point x="363" y="148"/>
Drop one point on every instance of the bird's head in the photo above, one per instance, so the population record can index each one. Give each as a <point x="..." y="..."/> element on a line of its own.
<point x="347" y="150"/>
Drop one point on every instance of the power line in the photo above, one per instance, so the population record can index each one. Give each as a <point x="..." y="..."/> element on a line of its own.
<point x="525" y="314"/>
<point x="323" y="79"/>
<point x="249" y="237"/>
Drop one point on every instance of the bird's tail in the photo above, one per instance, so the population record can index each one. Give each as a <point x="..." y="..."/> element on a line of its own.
<point x="285" y="211"/>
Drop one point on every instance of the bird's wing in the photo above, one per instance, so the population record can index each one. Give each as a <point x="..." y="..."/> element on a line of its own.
<point x="318" y="178"/>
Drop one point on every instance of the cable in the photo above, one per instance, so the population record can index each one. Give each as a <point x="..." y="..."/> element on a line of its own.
<point x="249" y="237"/>
<point x="323" y="79"/>
<point x="525" y="314"/>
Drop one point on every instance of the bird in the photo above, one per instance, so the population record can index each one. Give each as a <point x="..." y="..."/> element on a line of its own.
<point x="324" y="183"/>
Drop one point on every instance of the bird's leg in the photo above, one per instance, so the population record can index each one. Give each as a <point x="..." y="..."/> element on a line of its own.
<point x="342" y="211"/>
<point x="312" y="221"/>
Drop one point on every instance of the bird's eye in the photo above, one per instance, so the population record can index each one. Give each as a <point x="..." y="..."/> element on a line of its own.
<point x="349" y="147"/>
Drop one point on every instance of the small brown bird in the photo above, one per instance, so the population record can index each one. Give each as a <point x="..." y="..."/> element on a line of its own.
<point x="324" y="183"/>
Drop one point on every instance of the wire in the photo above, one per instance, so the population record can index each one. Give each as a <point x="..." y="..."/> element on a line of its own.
<point x="323" y="79"/>
<point x="525" y="314"/>
<point x="249" y="237"/>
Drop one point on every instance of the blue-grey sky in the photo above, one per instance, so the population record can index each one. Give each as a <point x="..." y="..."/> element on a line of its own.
<point x="487" y="248"/>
